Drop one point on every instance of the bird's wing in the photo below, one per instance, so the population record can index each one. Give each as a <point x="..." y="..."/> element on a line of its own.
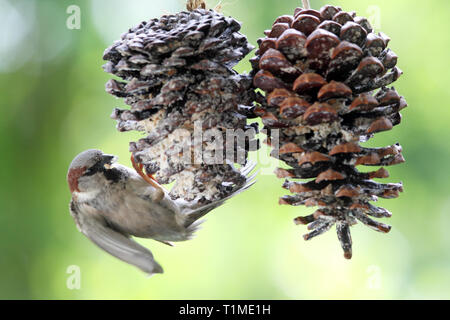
<point x="93" y="226"/>
<point x="196" y="212"/>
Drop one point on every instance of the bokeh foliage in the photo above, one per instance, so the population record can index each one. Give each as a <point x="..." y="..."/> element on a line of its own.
<point x="53" y="106"/>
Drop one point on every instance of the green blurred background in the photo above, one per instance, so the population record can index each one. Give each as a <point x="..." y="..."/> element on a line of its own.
<point x="53" y="105"/>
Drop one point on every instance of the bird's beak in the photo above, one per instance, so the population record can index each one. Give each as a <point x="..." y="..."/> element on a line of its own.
<point x="108" y="160"/>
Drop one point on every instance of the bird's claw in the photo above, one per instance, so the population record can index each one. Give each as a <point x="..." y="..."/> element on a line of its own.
<point x="139" y="167"/>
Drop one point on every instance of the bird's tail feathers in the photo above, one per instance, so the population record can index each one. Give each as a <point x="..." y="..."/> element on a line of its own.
<point x="193" y="214"/>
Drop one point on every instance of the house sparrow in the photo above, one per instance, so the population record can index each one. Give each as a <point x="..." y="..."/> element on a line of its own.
<point x="111" y="202"/>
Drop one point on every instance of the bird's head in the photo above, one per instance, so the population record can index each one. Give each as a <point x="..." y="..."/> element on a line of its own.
<point x="89" y="170"/>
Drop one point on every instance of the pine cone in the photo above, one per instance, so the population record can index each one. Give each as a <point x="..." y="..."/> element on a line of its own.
<point x="177" y="70"/>
<point x="325" y="74"/>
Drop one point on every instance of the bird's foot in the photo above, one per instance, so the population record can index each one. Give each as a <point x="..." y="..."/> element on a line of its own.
<point x="139" y="167"/>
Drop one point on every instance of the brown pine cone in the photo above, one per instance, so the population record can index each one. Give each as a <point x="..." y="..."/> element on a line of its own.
<point x="325" y="74"/>
<point x="177" y="70"/>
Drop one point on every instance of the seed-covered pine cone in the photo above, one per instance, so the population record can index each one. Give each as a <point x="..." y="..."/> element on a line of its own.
<point x="177" y="76"/>
<point x="325" y="74"/>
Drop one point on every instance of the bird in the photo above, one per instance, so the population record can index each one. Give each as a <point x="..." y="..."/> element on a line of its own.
<point x="111" y="203"/>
